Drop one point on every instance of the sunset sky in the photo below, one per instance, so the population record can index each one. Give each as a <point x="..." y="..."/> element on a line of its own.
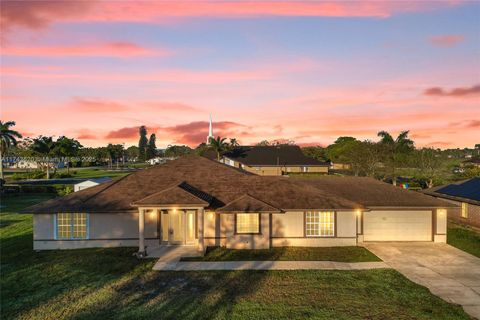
<point x="303" y="71"/>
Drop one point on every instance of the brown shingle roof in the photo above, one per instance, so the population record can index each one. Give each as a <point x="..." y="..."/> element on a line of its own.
<point x="172" y="196"/>
<point x="272" y="156"/>
<point x="218" y="185"/>
<point x="247" y="203"/>
<point x="209" y="180"/>
<point x="372" y="193"/>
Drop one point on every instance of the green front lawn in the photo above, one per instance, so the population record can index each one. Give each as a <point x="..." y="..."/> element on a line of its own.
<point x="112" y="284"/>
<point x="340" y="254"/>
<point x="464" y="238"/>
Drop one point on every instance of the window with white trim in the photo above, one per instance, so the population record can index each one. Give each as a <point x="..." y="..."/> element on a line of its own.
<point x="248" y="223"/>
<point x="72" y="226"/>
<point x="320" y="223"/>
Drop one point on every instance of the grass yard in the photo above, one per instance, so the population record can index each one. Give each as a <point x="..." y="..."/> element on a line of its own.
<point x="340" y="254"/>
<point x="112" y="284"/>
<point x="464" y="238"/>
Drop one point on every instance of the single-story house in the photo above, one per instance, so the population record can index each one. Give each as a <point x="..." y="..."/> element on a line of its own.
<point x="465" y="194"/>
<point x="90" y="183"/>
<point x="470" y="163"/>
<point x="201" y="202"/>
<point x="273" y="160"/>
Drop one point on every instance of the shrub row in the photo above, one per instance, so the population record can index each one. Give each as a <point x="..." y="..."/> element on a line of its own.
<point x="59" y="189"/>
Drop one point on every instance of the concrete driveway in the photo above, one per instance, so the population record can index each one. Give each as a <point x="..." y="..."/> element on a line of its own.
<point x="448" y="272"/>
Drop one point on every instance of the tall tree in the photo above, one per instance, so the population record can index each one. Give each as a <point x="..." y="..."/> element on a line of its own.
<point x="115" y="152"/>
<point x="142" y="144"/>
<point x="218" y="145"/>
<point x="337" y="152"/>
<point x="263" y="143"/>
<point x="363" y="157"/>
<point x="317" y="152"/>
<point x="132" y="153"/>
<point x="151" y="147"/>
<point x="395" y="150"/>
<point x="429" y="161"/>
<point x="67" y="148"/>
<point x="177" y="151"/>
<point x="45" y="148"/>
<point x="8" y="138"/>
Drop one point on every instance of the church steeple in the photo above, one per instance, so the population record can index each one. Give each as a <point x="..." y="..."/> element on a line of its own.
<point x="210" y="131"/>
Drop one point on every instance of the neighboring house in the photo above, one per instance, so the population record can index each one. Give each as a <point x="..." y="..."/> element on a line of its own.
<point x="90" y="183"/>
<point x="160" y="160"/>
<point x="157" y="160"/>
<point x="474" y="162"/>
<point x="20" y="163"/>
<point x="466" y="195"/>
<point x="340" y="166"/>
<point x="273" y="160"/>
<point x="197" y="201"/>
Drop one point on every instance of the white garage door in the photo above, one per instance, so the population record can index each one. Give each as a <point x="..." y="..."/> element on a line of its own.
<point x="397" y="226"/>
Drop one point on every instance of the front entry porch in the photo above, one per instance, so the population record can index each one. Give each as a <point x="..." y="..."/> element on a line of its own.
<point x="176" y="227"/>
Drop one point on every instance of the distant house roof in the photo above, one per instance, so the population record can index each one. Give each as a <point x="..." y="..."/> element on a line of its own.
<point x="272" y="156"/>
<point x="195" y="180"/>
<point x="95" y="180"/>
<point x="473" y="160"/>
<point x="464" y="191"/>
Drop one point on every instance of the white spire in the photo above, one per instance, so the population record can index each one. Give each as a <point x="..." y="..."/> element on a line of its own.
<point x="210" y="131"/>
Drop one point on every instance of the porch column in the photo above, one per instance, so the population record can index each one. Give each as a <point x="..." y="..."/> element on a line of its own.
<point x="141" y="229"/>
<point x="201" y="219"/>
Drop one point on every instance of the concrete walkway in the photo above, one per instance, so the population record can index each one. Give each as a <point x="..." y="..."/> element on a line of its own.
<point x="447" y="272"/>
<point x="265" y="265"/>
<point x="172" y="253"/>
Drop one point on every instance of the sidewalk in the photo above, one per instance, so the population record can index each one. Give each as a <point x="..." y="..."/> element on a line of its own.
<point x="266" y="265"/>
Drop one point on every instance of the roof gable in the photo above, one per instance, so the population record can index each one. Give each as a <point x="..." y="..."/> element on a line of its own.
<point x="172" y="196"/>
<point x="247" y="203"/>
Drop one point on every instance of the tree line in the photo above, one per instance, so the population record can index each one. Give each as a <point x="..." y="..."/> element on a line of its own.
<point x="363" y="157"/>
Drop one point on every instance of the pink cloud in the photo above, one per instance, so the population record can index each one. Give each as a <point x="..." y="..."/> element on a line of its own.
<point x="86" y="134"/>
<point x="97" y="105"/>
<point x="194" y="133"/>
<point x="456" y="92"/>
<point x="39" y="14"/>
<point x="124" y="133"/>
<point x="120" y="49"/>
<point x="449" y="40"/>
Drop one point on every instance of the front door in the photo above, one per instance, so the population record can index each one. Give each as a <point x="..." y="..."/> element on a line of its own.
<point x="176" y="232"/>
<point x="178" y="227"/>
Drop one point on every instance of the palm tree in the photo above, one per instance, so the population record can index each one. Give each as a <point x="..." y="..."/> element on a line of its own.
<point x="67" y="148"/>
<point x="8" y="138"/>
<point x="395" y="148"/>
<point x="233" y="142"/>
<point x="218" y="145"/>
<point x="46" y="147"/>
